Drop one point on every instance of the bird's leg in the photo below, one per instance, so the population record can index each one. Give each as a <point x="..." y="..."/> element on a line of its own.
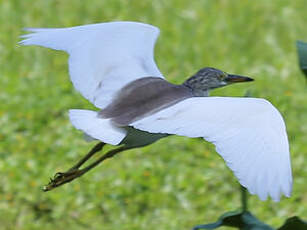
<point x="73" y="170"/>
<point x="91" y="153"/>
<point x="73" y="173"/>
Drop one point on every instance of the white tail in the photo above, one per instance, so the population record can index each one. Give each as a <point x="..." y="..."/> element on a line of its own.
<point x="95" y="127"/>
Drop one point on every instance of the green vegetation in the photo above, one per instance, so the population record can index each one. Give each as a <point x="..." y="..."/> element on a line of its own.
<point x="176" y="183"/>
<point x="302" y="55"/>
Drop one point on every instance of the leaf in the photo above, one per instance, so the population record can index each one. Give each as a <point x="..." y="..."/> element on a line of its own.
<point x="294" y="223"/>
<point x="302" y="55"/>
<point x="240" y="220"/>
<point x="252" y="223"/>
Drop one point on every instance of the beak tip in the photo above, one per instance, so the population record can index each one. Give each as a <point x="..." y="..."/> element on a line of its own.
<point x="237" y="78"/>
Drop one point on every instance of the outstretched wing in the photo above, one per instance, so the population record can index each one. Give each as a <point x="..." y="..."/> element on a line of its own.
<point x="248" y="133"/>
<point x="103" y="57"/>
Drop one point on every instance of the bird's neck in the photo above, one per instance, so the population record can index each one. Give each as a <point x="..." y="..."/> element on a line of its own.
<point x="196" y="90"/>
<point x="200" y="93"/>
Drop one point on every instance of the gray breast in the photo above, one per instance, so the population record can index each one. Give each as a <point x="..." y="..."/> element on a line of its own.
<point x="143" y="97"/>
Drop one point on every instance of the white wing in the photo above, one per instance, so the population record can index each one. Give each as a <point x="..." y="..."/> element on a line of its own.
<point x="248" y="133"/>
<point x="103" y="57"/>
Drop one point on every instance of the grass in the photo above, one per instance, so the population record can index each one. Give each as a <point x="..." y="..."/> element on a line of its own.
<point x="177" y="182"/>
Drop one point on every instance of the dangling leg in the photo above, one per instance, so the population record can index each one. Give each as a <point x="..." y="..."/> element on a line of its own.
<point x="98" y="147"/>
<point x="73" y="173"/>
<point x="91" y="153"/>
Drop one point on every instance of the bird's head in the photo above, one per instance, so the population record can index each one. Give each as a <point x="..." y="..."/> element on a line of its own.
<point x="210" y="78"/>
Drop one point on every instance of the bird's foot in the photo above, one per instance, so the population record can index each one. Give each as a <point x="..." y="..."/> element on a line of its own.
<point x="62" y="178"/>
<point x="73" y="173"/>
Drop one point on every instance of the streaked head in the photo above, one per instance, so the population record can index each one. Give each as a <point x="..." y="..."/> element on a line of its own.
<point x="210" y="78"/>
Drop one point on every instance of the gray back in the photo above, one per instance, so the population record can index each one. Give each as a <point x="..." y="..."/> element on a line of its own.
<point x="143" y="97"/>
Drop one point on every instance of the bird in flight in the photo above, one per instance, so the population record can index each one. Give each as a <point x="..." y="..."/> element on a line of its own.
<point x="112" y="65"/>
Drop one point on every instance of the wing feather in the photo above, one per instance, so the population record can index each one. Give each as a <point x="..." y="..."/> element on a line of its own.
<point x="248" y="133"/>
<point x="103" y="57"/>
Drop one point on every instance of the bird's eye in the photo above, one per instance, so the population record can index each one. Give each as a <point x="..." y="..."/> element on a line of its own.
<point x="223" y="76"/>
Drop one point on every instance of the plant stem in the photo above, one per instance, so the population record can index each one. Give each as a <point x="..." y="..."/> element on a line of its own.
<point x="244" y="199"/>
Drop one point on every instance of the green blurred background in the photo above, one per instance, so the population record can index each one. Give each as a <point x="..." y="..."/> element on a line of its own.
<point x="177" y="182"/>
